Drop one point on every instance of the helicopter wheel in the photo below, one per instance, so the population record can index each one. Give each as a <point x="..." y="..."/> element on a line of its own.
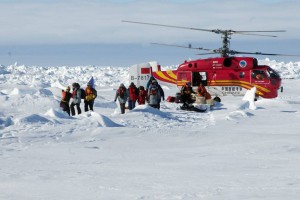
<point x="217" y="99"/>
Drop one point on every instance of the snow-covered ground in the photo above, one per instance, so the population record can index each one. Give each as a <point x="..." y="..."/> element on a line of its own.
<point x="230" y="152"/>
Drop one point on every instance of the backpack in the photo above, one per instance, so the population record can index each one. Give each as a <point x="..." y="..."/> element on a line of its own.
<point x="83" y="95"/>
<point x="122" y="92"/>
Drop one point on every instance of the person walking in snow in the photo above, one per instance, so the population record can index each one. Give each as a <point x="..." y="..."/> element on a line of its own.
<point x="149" y="83"/>
<point x="142" y="98"/>
<point x="122" y="96"/>
<point x="154" y="95"/>
<point x="90" y="96"/>
<point x="133" y="96"/>
<point x="65" y="100"/>
<point x="76" y="99"/>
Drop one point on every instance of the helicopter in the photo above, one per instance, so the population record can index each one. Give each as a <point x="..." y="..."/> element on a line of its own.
<point x="224" y="75"/>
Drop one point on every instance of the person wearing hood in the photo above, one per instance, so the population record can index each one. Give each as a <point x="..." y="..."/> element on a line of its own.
<point x="133" y="96"/>
<point x="149" y="83"/>
<point x="186" y="94"/>
<point x="142" y="98"/>
<point x="122" y="96"/>
<point x="65" y="100"/>
<point x="76" y="99"/>
<point x="90" y="96"/>
<point x="154" y="95"/>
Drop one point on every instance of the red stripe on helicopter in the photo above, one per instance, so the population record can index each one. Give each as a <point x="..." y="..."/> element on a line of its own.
<point x="165" y="76"/>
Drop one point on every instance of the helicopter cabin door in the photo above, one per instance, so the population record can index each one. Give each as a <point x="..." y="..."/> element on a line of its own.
<point x="199" y="77"/>
<point x="183" y="77"/>
<point x="259" y="77"/>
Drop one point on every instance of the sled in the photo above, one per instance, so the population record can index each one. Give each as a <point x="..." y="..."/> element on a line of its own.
<point x="171" y="99"/>
<point x="191" y="107"/>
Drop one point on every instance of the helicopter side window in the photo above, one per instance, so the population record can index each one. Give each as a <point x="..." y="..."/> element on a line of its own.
<point x="183" y="76"/>
<point x="258" y="74"/>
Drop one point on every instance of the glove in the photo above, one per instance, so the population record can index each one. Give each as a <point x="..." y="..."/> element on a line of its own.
<point x="163" y="98"/>
<point x="115" y="100"/>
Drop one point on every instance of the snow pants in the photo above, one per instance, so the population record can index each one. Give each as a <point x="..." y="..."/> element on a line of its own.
<point x="65" y="106"/>
<point x="87" y="105"/>
<point x="73" y="109"/>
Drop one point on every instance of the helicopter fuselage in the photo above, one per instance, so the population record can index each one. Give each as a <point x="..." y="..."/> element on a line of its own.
<point x="225" y="76"/>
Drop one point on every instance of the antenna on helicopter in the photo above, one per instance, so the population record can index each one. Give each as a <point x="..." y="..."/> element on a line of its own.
<point x="224" y="51"/>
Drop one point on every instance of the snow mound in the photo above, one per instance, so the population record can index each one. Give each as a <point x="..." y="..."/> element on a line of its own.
<point x="33" y="119"/>
<point x="15" y="91"/>
<point x="104" y="121"/>
<point x="149" y="109"/>
<point x="238" y="114"/>
<point x="57" y="114"/>
<point x="45" y="92"/>
<point x="5" y="122"/>
<point x="3" y="71"/>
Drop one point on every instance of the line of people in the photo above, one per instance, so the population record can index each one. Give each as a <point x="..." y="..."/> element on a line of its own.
<point x="88" y="95"/>
<point x="153" y="94"/>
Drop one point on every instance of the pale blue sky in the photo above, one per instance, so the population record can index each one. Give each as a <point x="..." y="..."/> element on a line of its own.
<point x="98" y="22"/>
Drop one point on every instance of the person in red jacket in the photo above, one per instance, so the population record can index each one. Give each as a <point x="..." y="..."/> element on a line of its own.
<point x="142" y="98"/>
<point x="133" y="96"/>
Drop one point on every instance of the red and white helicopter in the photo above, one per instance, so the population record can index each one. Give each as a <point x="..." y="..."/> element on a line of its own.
<point x="224" y="75"/>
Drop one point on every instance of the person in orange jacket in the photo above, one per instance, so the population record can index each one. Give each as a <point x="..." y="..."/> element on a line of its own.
<point x="65" y="100"/>
<point x="203" y="92"/>
<point x="90" y="96"/>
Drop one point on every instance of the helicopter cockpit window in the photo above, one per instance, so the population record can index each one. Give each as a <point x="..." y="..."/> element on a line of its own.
<point x="272" y="73"/>
<point x="258" y="74"/>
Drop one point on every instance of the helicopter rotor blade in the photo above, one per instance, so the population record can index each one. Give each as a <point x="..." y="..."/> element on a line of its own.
<point x="217" y="31"/>
<point x="259" y="53"/>
<point x="262" y="31"/>
<point x="256" y="34"/>
<point x="205" y="53"/>
<point x="170" y="26"/>
<point x="217" y="51"/>
<point x="226" y="36"/>
<point x="181" y="46"/>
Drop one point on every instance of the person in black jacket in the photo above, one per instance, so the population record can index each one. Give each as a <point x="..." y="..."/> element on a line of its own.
<point x="186" y="94"/>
